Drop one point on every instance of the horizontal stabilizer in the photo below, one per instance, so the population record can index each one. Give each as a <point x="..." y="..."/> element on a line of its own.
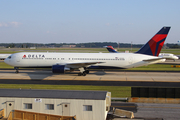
<point x="151" y="60"/>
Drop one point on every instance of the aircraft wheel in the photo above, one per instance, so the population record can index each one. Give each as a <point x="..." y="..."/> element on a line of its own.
<point x="16" y="68"/>
<point x="87" y="71"/>
<point x="84" y="73"/>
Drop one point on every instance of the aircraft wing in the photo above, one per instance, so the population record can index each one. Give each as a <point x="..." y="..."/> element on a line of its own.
<point x="81" y="64"/>
<point x="155" y="59"/>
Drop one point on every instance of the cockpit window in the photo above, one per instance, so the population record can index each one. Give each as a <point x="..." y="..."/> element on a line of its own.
<point x="9" y="57"/>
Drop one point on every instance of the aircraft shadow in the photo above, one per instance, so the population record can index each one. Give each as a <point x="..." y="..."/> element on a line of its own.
<point x="35" y="74"/>
<point x="32" y="74"/>
<point x="99" y="73"/>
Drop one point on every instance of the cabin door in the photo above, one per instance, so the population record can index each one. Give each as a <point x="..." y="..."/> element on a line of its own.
<point x="9" y="107"/>
<point x="66" y="109"/>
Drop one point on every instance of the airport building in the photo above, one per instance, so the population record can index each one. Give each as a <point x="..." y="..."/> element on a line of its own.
<point x="84" y="105"/>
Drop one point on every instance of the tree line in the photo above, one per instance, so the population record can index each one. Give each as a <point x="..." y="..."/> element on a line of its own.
<point x="79" y="45"/>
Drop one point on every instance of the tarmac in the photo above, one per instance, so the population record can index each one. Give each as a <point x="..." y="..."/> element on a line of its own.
<point x="116" y="78"/>
<point x="92" y="76"/>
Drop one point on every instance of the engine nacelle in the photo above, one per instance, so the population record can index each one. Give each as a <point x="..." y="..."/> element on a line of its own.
<point x="59" y="69"/>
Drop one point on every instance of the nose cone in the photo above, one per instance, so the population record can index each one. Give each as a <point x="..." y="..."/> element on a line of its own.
<point x="6" y="61"/>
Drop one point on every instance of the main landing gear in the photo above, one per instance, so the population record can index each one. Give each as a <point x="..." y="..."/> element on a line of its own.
<point x="17" y="69"/>
<point x="83" y="72"/>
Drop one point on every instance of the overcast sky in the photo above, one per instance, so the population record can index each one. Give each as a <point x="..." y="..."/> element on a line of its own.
<point x="79" y="21"/>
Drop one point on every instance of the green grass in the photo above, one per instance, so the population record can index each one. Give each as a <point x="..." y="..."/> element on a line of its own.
<point x="116" y="91"/>
<point x="72" y="50"/>
<point x="82" y="50"/>
<point x="156" y="67"/>
<point x="4" y="65"/>
<point x="173" y="51"/>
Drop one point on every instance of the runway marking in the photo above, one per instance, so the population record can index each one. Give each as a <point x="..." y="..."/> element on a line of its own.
<point x="74" y="78"/>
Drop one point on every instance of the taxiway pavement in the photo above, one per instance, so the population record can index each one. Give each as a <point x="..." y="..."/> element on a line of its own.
<point x="93" y="76"/>
<point x="115" y="78"/>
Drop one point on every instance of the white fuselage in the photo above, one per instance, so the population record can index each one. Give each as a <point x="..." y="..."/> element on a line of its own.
<point x="117" y="60"/>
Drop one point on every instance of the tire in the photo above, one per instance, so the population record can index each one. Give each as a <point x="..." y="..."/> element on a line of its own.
<point x="87" y="71"/>
<point x="84" y="74"/>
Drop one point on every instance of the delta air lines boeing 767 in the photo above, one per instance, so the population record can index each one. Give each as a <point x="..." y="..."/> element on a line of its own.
<point x="61" y="62"/>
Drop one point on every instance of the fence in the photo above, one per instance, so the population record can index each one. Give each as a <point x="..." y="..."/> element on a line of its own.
<point x="24" y="115"/>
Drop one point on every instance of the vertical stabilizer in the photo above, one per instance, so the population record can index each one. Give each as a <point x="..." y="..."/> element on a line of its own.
<point x="110" y="49"/>
<point x="155" y="44"/>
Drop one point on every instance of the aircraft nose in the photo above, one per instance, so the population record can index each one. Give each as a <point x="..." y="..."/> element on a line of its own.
<point x="6" y="61"/>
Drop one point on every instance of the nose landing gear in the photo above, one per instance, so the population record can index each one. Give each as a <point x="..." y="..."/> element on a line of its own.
<point x="17" y="69"/>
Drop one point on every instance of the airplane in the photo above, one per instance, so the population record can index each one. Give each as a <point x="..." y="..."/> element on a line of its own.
<point x="62" y="62"/>
<point x="168" y="56"/>
<point x="4" y="56"/>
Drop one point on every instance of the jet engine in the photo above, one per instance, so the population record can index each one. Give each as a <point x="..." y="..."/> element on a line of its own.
<point x="59" y="69"/>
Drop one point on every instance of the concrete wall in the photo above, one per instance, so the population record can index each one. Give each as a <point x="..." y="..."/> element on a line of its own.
<point x="153" y="92"/>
